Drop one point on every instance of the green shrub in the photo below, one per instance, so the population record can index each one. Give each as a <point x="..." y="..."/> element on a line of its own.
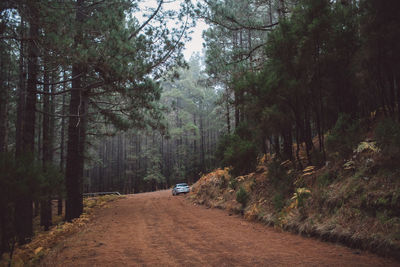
<point x="233" y="183"/>
<point x="326" y="178"/>
<point x="242" y="196"/>
<point x="238" y="152"/>
<point x="278" y="176"/>
<point x="278" y="202"/>
<point x="344" y="136"/>
<point x="317" y="158"/>
<point x="300" y="196"/>
<point x="387" y="135"/>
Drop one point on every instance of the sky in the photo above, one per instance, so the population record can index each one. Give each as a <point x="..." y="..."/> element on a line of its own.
<point x="196" y="43"/>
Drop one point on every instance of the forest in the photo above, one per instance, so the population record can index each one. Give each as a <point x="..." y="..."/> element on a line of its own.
<point x="96" y="95"/>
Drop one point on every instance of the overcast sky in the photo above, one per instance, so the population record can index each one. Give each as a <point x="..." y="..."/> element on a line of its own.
<point x="196" y="43"/>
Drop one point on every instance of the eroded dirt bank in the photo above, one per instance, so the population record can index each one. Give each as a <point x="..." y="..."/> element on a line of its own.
<point x="157" y="229"/>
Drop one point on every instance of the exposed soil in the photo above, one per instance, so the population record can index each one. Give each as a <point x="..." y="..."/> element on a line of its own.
<point x="157" y="229"/>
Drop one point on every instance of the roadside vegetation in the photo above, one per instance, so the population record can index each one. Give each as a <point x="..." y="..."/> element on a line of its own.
<point x="43" y="241"/>
<point x="354" y="198"/>
<point x="314" y="86"/>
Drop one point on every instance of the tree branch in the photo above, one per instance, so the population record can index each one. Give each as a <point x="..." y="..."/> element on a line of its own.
<point x="60" y="82"/>
<point x="147" y="21"/>
<point x="248" y="54"/>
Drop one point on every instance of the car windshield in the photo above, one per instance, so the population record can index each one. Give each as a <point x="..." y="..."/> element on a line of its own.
<point x="181" y="185"/>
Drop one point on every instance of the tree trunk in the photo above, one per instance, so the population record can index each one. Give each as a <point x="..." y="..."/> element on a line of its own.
<point x="298" y="142"/>
<point x="277" y="146"/>
<point x="47" y="148"/>
<point x="202" y="144"/>
<point x="76" y="132"/>
<point x="21" y="97"/>
<point x="3" y="106"/>
<point x="287" y="144"/>
<point x="308" y="135"/>
<point x="23" y="206"/>
<point x="62" y="143"/>
<point x="237" y="110"/>
<point x="228" y="117"/>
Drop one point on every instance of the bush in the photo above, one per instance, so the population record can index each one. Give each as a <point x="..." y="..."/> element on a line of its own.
<point x="300" y="196"/>
<point x="344" y="136"/>
<point x="242" y="196"/>
<point x="317" y="158"/>
<point x="326" y="178"/>
<point x="278" y="202"/>
<point x="387" y="135"/>
<point x="278" y="176"/>
<point x="237" y="152"/>
<point x="232" y="183"/>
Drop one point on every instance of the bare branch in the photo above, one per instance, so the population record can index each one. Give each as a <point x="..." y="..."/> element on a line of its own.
<point x="61" y="82"/>
<point x="147" y="21"/>
<point x="56" y="93"/>
<point x="59" y="115"/>
<point x="241" y="26"/>
<point x="248" y="54"/>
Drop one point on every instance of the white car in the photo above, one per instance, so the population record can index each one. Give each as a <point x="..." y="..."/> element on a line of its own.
<point x="180" y="188"/>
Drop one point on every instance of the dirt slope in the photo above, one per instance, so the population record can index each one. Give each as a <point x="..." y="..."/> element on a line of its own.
<point x="157" y="229"/>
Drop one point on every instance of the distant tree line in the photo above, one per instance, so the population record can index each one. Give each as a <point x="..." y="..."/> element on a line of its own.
<point x="147" y="160"/>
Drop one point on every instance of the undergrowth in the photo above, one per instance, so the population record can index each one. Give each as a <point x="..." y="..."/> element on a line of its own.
<point x="355" y="199"/>
<point x="32" y="253"/>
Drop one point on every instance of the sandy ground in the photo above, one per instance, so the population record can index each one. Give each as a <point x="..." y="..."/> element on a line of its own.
<point x="157" y="229"/>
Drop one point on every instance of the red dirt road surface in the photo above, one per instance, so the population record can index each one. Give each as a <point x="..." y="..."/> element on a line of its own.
<point x="157" y="229"/>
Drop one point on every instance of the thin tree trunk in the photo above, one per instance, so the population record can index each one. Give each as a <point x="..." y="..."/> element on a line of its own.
<point x="288" y="144"/>
<point x="308" y="135"/>
<point x="228" y="117"/>
<point x="237" y="110"/>
<point x="3" y="107"/>
<point x="45" y="209"/>
<point x="202" y="144"/>
<point x="62" y="144"/>
<point x="397" y="83"/>
<point x="21" y="96"/>
<point x="300" y="164"/>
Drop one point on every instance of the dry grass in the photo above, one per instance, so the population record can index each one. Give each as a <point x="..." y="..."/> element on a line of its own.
<point x="357" y="206"/>
<point x="30" y="254"/>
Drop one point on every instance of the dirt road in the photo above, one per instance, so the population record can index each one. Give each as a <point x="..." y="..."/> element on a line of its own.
<point x="157" y="229"/>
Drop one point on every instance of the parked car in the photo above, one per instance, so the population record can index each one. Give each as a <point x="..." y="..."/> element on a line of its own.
<point x="180" y="188"/>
